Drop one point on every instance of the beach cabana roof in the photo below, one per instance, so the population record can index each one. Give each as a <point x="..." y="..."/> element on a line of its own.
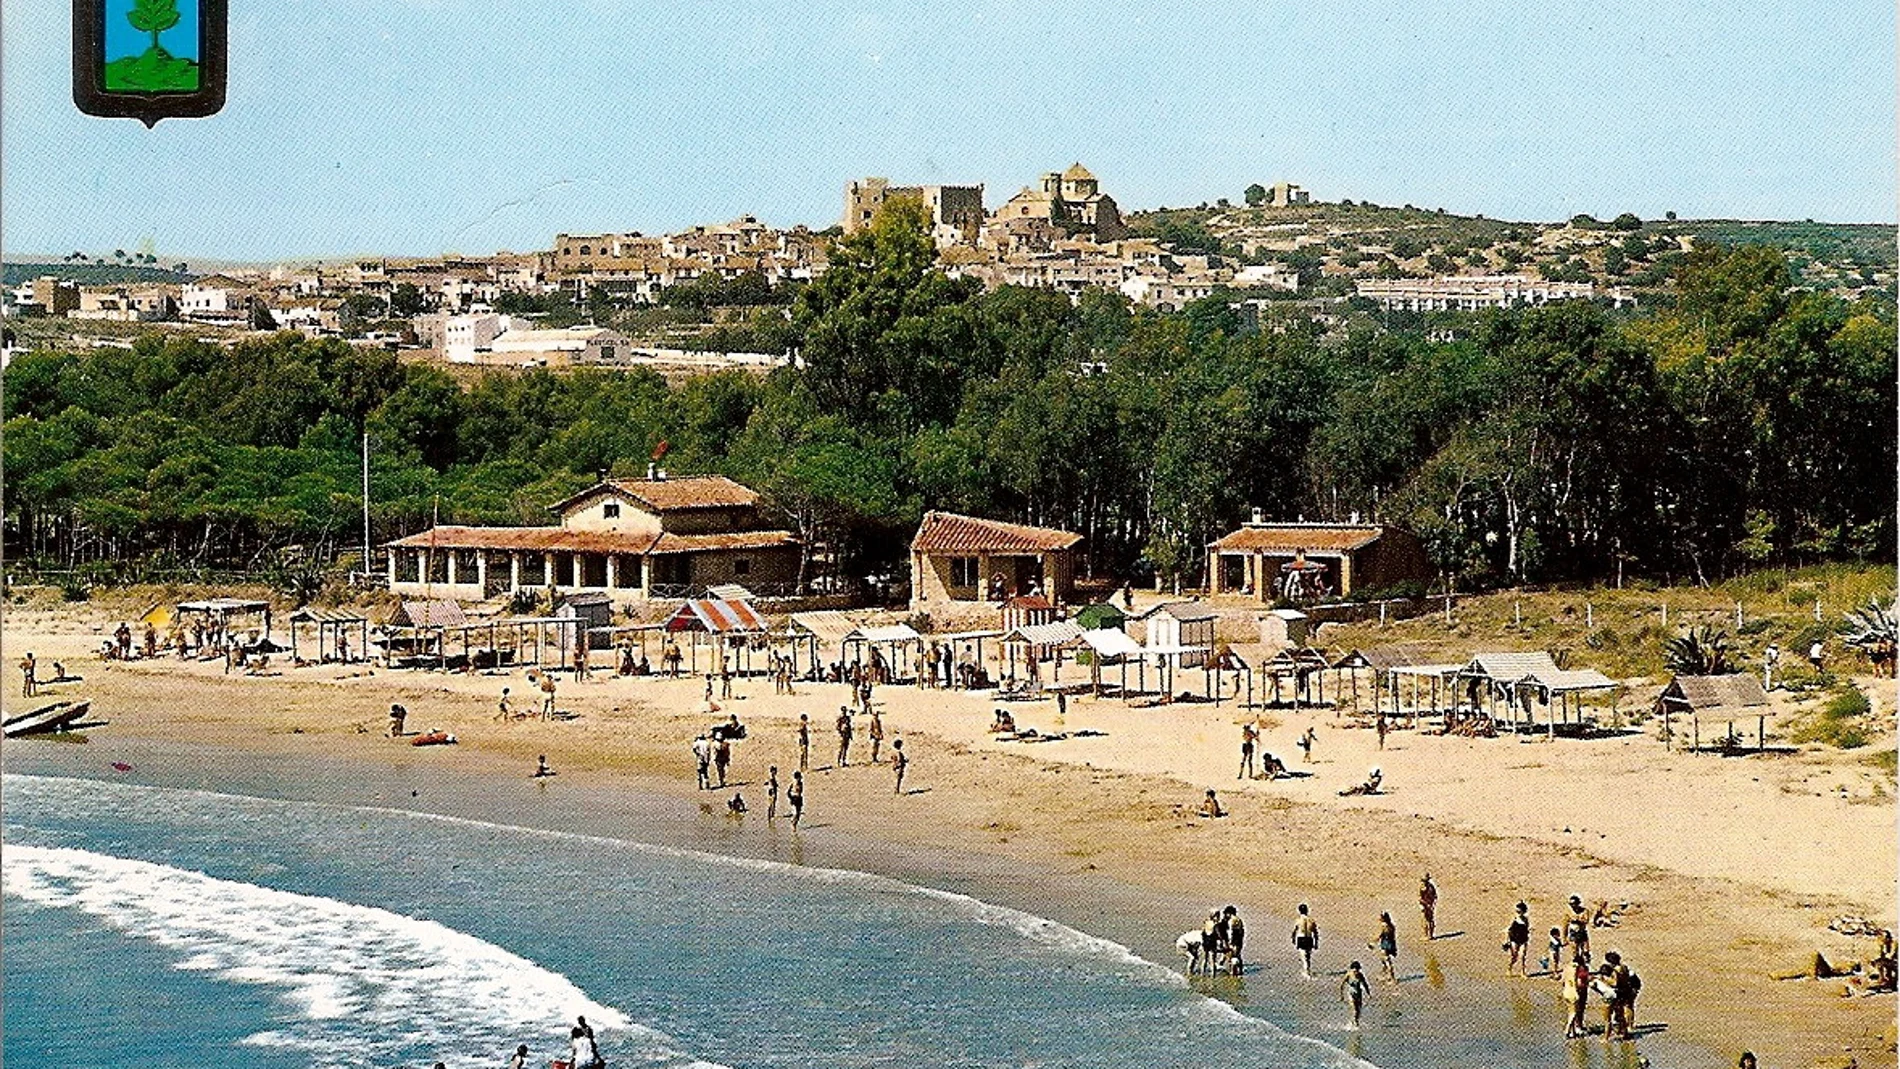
<point x="1055" y="633"/>
<point x="1703" y="693"/>
<point x="717" y="616"/>
<point x="829" y="626"/>
<point x="311" y="614"/>
<point x="969" y="636"/>
<point x="1184" y="611"/>
<point x="1509" y="667"/>
<point x="1385" y="658"/>
<point x="432" y="613"/>
<point x="1172" y="651"/>
<point x="730" y="592"/>
<point x="1566" y="682"/>
<point x="885" y="635"/>
<point x="1425" y="671"/>
<point x="1110" y="642"/>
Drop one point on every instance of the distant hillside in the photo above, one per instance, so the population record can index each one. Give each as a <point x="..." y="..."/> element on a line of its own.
<point x="88" y="274"/>
<point x="1344" y="241"/>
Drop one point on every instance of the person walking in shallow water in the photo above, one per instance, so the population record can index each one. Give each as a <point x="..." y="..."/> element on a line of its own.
<point x="795" y="797"/>
<point x="804" y="742"/>
<point x="844" y="735"/>
<point x="1386" y="942"/>
<point x="771" y="793"/>
<point x="1517" y="942"/>
<point x="1354" y="987"/>
<point x="1306" y="940"/>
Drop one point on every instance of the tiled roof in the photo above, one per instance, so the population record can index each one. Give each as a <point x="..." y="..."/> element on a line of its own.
<point x="532" y="539"/>
<point x="564" y="540"/>
<point x="716" y="615"/>
<point x="948" y="532"/>
<point x="1291" y="538"/>
<point x="673" y="493"/>
<point x="676" y="543"/>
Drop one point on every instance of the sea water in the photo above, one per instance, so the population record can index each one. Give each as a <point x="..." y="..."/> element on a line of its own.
<point x="158" y="926"/>
<point x="217" y="908"/>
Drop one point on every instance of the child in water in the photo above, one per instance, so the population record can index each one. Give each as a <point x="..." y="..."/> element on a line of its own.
<point x="1356" y="987"/>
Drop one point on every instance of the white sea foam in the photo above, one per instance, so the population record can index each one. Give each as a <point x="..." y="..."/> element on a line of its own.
<point x="1041" y="930"/>
<point x="365" y="986"/>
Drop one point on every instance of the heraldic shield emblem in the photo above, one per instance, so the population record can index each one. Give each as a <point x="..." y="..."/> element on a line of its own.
<point x="149" y="59"/>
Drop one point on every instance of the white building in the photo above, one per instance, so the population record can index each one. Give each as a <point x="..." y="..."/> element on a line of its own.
<point x="1471" y="292"/>
<point x="565" y="346"/>
<point x="466" y="337"/>
<point x="213" y="298"/>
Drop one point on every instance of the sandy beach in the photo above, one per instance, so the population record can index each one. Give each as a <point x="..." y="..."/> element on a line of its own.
<point x="1727" y="870"/>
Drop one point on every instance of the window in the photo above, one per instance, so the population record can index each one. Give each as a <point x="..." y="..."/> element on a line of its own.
<point x="963" y="571"/>
<point x="741" y="566"/>
<point x="610" y="510"/>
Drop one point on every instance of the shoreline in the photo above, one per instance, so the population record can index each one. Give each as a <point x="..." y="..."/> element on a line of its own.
<point x="1009" y="825"/>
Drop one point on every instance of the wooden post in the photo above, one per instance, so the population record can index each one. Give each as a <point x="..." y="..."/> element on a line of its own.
<point x="1589" y="615"/>
<point x="1761" y="733"/>
<point x="1668" y="737"/>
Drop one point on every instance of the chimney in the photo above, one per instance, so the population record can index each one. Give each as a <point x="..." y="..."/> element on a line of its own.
<point x="660" y="475"/>
<point x="1258" y="517"/>
<point x="651" y="469"/>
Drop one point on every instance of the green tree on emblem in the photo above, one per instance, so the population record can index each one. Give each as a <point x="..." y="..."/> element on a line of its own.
<point x="153" y="17"/>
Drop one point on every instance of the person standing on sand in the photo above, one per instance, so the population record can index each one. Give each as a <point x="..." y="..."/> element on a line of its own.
<point x="1577" y="997"/>
<point x="1306" y="746"/>
<point x="702" y="758"/>
<point x="1517" y="941"/>
<point x="29" y="676"/>
<point x="397" y="714"/>
<point x="151" y="640"/>
<point x="1380" y="726"/>
<point x="1249" y="734"/>
<point x="722" y="756"/>
<point x="795" y="797"/>
<point x="804" y="742"/>
<point x="502" y="712"/>
<point x="581" y="673"/>
<point x="1428" y="906"/>
<point x="1306" y="940"/>
<point x="547" y="696"/>
<point x="844" y="734"/>
<point x="771" y="793"/>
<point x="1554" y="954"/>
<point x="1387" y="944"/>
<point x="1355" y="987"/>
<point x="899" y="762"/>
<point x="877" y="735"/>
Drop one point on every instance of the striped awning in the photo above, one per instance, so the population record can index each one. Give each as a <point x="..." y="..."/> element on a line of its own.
<point x="311" y="614"/>
<point x="718" y="616"/>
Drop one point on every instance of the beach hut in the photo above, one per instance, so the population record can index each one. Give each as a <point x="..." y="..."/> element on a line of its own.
<point x="1040" y="642"/>
<point x="1562" y="689"/>
<point x="1726" y="697"/>
<point x="1106" y="646"/>
<point x="727" y="625"/>
<point x="1027" y="610"/>
<point x="332" y="627"/>
<point x="1284" y="627"/>
<point x="228" y="616"/>
<point x="890" y="642"/>
<point x="1183" y="628"/>
<point x="822" y="633"/>
<point x="595" y="612"/>
<point x="969" y="669"/>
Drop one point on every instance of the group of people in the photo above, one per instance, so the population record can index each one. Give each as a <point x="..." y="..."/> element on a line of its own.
<point x="712" y="752"/>
<point x="712" y="758"/>
<point x="1614" y="983"/>
<point x="1218" y="946"/>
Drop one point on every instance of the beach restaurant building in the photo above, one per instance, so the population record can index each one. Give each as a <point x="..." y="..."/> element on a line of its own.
<point x="966" y="558"/>
<point x="631" y="539"/>
<point x="1304" y="561"/>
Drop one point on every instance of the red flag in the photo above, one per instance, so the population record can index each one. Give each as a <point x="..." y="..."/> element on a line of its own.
<point x="659" y="451"/>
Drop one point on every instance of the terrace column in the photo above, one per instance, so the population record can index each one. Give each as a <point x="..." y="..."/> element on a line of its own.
<point x="1213" y="572"/>
<point x="611" y="569"/>
<point x="646" y="577"/>
<point x="392" y="566"/>
<point x="547" y="568"/>
<point x="481" y="570"/>
<point x="1345" y="574"/>
<point x="982" y="577"/>
<point x="426" y="558"/>
<point x="450" y="561"/>
<point x="514" y="570"/>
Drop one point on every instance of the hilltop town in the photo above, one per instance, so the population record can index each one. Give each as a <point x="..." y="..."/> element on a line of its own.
<point x="715" y="296"/>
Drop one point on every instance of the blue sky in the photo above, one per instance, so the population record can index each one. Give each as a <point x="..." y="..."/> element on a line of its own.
<point x="429" y="126"/>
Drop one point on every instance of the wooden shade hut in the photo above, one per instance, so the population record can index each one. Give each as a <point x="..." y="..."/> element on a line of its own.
<point x="1728" y="697"/>
<point x="332" y="627"/>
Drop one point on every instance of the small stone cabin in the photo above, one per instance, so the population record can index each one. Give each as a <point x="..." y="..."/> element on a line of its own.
<point x="966" y="558"/>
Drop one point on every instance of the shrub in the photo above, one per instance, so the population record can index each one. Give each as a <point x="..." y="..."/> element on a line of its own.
<point x="1838" y="723"/>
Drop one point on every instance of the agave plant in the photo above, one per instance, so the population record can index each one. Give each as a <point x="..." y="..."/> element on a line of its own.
<point x="1702" y="651"/>
<point x="1871" y="626"/>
